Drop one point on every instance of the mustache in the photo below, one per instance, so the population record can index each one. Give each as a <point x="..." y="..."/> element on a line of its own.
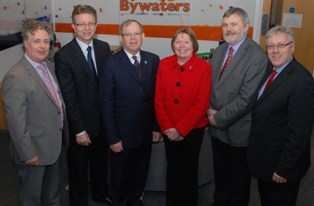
<point x="230" y="33"/>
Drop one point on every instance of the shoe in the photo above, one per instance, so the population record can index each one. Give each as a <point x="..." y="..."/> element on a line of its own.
<point x="107" y="199"/>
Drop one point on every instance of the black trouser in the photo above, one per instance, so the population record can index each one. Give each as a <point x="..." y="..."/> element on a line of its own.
<point x="129" y="169"/>
<point x="232" y="177"/>
<point x="81" y="159"/>
<point x="182" y="169"/>
<point x="272" y="193"/>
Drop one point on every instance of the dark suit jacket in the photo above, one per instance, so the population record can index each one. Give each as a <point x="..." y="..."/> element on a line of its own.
<point x="79" y="88"/>
<point x="33" y="116"/>
<point x="127" y="102"/>
<point x="233" y="95"/>
<point x="282" y="120"/>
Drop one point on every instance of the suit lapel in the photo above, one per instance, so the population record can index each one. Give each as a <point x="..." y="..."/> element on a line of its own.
<point x="279" y="80"/>
<point x="235" y="60"/>
<point x="53" y="74"/>
<point x="220" y="63"/>
<point x="33" y="73"/>
<point x="97" y="54"/>
<point x="79" y="56"/>
<point x="128" y="66"/>
<point x="145" y="65"/>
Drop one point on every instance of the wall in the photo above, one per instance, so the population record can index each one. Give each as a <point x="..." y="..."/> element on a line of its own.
<point x="12" y="14"/>
<point x="204" y="17"/>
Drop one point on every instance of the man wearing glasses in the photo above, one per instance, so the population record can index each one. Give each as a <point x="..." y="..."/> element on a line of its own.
<point x="127" y="87"/>
<point x="282" y="120"/>
<point x="78" y="65"/>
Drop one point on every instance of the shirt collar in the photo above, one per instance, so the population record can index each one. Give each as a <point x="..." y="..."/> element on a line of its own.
<point x="279" y="69"/>
<point x="84" y="46"/>
<point x="32" y="62"/>
<point x="131" y="55"/>
<point x="237" y="45"/>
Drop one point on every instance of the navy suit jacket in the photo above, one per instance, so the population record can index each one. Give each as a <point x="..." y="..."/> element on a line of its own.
<point x="127" y="103"/>
<point x="79" y="87"/>
<point x="282" y="120"/>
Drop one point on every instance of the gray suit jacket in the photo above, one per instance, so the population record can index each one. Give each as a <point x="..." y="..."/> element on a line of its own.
<point x="232" y="96"/>
<point x="33" y="117"/>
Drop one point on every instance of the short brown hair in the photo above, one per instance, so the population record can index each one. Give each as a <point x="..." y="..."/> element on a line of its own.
<point x="83" y="9"/>
<point x="31" y="25"/>
<point x="191" y="34"/>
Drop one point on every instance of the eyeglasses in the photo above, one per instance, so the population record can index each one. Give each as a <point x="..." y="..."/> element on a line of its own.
<point x="129" y="35"/>
<point x="83" y="25"/>
<point x="278" y="46"/>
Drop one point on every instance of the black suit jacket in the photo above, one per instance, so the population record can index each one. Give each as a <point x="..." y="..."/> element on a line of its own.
<point x="79" y="88"/>
<point x="127" y="102"/>
<point x="282" y="120"/>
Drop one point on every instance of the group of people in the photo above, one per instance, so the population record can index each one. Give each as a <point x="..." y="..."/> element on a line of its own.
<point x="108" y="109"/>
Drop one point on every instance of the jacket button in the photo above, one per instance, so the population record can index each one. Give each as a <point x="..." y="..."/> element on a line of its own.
<point x="178" y="84"/>
<point x="176" y="101"/>
<point x="181" y="69"/>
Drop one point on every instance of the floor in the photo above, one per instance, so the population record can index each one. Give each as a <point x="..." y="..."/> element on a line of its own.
<point x="9" y="195"/>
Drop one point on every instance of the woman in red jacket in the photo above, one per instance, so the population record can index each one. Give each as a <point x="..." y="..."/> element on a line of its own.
<point x="182" y="94"/>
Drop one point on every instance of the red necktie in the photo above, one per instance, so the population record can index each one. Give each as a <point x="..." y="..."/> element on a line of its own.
<point x="228" y="60"/>
<point x="270" y="80"/>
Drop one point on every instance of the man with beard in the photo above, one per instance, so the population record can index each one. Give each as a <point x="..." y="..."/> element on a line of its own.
<point x="238" y="67"/>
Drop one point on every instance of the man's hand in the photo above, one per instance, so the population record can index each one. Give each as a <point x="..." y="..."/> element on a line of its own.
<point x="117" y="147"/>
<point x="278" y="179"/>
<point x="83" y="140"/>
<point x="32" y="162"/>
<point x="210" y="116"/>
<point x="157" y="137"/>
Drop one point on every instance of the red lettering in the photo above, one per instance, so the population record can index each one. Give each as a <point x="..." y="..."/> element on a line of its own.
<point x="124" y="5"/>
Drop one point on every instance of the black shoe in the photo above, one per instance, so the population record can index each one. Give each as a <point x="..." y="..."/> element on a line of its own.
<point x="107" y="199"/>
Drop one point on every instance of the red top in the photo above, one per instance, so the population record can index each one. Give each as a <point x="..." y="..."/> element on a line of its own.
<point x="182" y="94"/>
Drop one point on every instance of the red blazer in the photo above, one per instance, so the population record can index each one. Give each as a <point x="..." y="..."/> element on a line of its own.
<point x="182" y="94"/>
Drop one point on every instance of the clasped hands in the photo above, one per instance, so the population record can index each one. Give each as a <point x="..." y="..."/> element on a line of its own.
<point x="118" y="147"/>
<point x="210" y="116"/>
<point x="173" y="135"/>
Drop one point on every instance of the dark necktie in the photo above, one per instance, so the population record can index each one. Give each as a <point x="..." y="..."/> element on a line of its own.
<point x="270" y="80"/>
<point x="90" y="62"/>
<point x="227" y="62"/>
<point x="137" y="67"/>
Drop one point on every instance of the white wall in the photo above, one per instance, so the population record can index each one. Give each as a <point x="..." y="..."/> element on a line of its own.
<point x="202" y="13"/>
<point x="160" y="46"/>
<point x="8" y="58"/>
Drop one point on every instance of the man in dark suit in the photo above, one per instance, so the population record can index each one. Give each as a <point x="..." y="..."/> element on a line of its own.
<point x="36" y="119"/>
<point x="127" y="86"/>
<point x="238" y="67"/>
<point x="77" y="66"/>
<point x="282" y="120"/>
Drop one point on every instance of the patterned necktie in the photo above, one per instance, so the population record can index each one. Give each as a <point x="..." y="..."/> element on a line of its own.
<point x="91" y="62"/>
<point x="49" y="84"/>
<point x="137" y="67"/>
<point x="227" y="62"/>
<point x="270" y="80"/>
